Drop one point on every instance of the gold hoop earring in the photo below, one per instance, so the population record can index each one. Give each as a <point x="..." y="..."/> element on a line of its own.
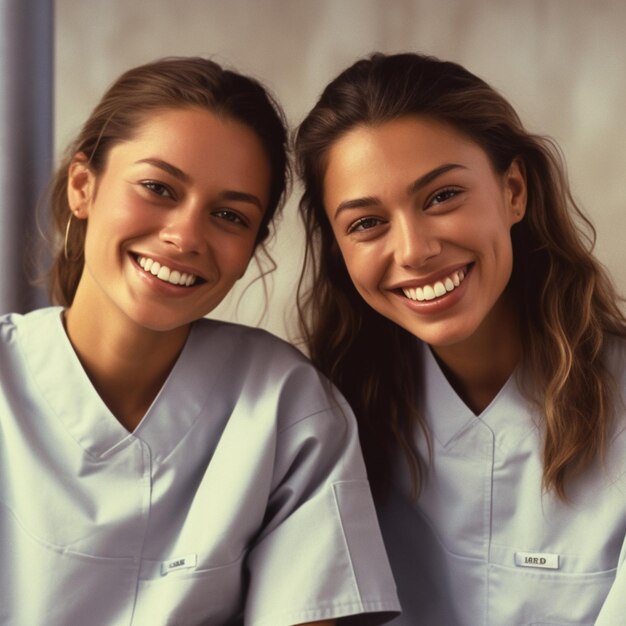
<point x="66" y="239"/>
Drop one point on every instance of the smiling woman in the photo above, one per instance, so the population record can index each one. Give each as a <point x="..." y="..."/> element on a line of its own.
<point x="394" y="253"/>
<point x="158" y="467"/>
<point x="456" y="304"/>
<point x="194" y="210"/>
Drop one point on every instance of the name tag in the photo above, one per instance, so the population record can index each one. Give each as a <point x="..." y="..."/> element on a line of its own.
<point x="537" y="559"/>
<point x="182" y="562"/>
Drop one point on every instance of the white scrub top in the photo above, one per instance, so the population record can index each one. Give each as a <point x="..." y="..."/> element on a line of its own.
<point x="482" y="546"/>
<point x="240" y="498"/>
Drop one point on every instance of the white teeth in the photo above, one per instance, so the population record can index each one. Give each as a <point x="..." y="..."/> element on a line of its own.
<point x="164" y="273"/>
<point x="440" y="288"/>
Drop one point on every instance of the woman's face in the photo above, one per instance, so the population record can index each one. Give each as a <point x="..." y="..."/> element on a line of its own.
<point x="423" y="223"/>
<point x="172" y="219"/>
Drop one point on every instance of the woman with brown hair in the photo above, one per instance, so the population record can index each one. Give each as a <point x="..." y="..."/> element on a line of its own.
<point x="456" y="304"/>
<point x="157" y="467"/>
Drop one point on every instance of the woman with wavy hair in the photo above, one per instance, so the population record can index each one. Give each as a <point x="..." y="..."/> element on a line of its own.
<point x="157" y="467"/>
<point x="456" y="304"/>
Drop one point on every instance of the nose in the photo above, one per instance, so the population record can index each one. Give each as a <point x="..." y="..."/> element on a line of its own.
<point x="184" y="229"/>
<point x="413" y="241"/>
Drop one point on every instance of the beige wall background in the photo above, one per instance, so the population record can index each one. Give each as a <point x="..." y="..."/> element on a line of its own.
<point x="562" y="64"/>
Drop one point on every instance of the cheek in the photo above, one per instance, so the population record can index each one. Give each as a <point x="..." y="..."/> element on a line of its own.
<point x="502" y="243"/>
<point x="235" y="256"/>
<point x="487" y="235"/>
<point x="117" y="212"/>
<point x="498" y="254"/>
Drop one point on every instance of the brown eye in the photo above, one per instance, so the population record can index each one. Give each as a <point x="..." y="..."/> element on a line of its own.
<point x="365" y="223"/>
<point x="157" y="188"/>
<point x="443" y="196"/>
<point x="231" y="216"/>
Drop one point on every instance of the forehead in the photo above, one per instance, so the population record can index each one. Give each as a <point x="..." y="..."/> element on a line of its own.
<point x="402" y="149"/>
<point x="189" y="127"/>
<point x="200" y="143"/>
<point x="413" y="136"/>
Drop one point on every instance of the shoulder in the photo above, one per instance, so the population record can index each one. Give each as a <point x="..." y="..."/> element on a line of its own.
<point x="14" y="324"/>
<point x="26" y="340"/>
<point x="257" y="366"/>
<point x="8" y="322"/>
<point x="249" y="344"/>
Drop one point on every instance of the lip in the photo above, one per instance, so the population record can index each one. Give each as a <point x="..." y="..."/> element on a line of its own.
<point x="432" y="278"/>
<point x="438" y="305"/>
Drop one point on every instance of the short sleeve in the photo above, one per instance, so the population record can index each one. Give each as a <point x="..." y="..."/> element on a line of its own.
<point x="320" y="554"/>
<point x="614" y="606"/>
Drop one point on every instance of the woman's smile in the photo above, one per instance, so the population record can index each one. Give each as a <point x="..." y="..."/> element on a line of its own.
<point x="168" y="272"/>
<point x="434" y="289"/>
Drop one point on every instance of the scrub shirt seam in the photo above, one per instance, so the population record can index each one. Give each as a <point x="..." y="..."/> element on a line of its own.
<point x="346" y="544"/>
<point x="57" y="548"/>
<point x="147" y="477"/>
<point x="329" y="609"/>
<point x="344" y="431"/>
<point x="328" y="409"/>
<point x="488" y="569"/>
<point x="463" y="429"/>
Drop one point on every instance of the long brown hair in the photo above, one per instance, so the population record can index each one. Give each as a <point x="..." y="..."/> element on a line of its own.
<point x="167" y="83"/>
<point x="565" y="297"/>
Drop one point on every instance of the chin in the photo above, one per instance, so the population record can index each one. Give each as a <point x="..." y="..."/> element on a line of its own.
<point x="443" y="337"/>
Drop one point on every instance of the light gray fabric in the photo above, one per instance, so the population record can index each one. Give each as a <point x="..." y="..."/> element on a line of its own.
<point x="241" y="497"/>
<point x="460" y="555"/>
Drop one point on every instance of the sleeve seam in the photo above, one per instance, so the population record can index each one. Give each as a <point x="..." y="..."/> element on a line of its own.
<point x="344" y="405"/>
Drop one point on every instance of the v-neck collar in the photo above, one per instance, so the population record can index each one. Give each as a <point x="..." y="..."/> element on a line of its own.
<point x="448" y="416"/>
<point x="66" y="388"/>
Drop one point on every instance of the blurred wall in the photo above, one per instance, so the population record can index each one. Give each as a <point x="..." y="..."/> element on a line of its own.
<point x="562" y="64"/>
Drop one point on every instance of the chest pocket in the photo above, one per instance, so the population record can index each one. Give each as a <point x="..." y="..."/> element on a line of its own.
<point x="42" y="583"/>
<point x="189" y="596"/>
<point x="529" y="595"/>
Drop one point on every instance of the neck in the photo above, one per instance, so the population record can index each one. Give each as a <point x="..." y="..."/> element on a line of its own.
<point x="479" y="367"/>
<point x="126" y="364"/>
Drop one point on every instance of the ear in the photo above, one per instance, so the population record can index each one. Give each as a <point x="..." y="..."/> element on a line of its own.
<point x="515" y="190"/>
<point x="81" y="182"/>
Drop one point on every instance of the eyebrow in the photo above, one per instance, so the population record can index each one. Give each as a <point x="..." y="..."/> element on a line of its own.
<point x="429" y="177"/>
<point x="167" y="167"/>
<point x="242" y="196"/>
<point x="416" y="185"/>
<point x="229" y="195"/>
